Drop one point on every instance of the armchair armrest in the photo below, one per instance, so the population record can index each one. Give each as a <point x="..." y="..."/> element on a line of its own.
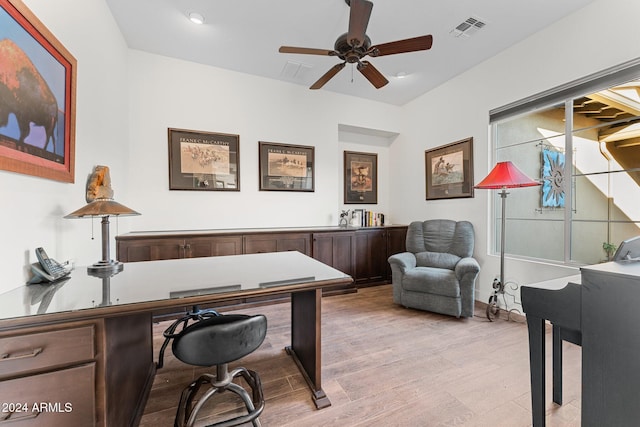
<point x="403" y="261"/>
<point x="466" y="266"/>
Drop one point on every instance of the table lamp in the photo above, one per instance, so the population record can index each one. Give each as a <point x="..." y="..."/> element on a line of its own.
<point x="101" y="204"/>
<point x="504" y="175"/>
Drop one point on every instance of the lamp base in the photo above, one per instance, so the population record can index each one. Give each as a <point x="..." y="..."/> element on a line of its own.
<point x="105" y="268"/>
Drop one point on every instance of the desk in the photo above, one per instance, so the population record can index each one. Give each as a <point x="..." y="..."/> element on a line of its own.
<point x="605" y="309"/>
<point x="101" y="329"/>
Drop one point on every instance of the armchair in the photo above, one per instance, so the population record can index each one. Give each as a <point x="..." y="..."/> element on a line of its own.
<point x="437" y="273"/>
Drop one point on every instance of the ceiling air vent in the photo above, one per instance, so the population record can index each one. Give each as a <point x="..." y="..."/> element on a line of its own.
<point x="467" y="28"/>
<point x="295" y="71"/>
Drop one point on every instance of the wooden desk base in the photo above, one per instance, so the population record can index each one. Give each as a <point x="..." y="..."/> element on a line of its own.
<point x="306" y="342"/>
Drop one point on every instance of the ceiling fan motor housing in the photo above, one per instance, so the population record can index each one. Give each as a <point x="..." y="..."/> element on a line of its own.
<point x="348" y="53"/>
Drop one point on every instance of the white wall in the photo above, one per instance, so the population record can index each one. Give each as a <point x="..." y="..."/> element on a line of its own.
<point x="32" y="208"/>
<point x="168" y="93"/>
<point x="569" y="49"/>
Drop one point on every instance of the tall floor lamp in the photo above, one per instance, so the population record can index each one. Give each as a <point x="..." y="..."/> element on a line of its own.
<point x="504" y="175"/>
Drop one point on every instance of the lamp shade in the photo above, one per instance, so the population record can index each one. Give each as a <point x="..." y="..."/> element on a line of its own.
<point x="102" y="207"/>
<point x="506" y="175"/>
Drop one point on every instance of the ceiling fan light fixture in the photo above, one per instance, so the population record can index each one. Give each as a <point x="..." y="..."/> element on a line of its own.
<point x="401" y="75"/>
<point x="196" y="18"/>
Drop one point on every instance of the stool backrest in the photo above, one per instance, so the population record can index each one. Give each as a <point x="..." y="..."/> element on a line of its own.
<point x="220" y="339"/>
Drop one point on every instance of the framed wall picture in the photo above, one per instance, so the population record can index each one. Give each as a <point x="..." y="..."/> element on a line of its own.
<point x="203" y="161"/>
<point x="449" y="170"/>
<point x="360" y="177"/>
<point x="285" y="167"/>
<point x="37" y="97"/>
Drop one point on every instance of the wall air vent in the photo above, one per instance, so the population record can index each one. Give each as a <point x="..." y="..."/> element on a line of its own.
<point x="469" y="27"/>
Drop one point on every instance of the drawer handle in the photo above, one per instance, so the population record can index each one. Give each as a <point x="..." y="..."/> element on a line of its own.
<point x="9" y="419"/>
<point x="6" y="357"/>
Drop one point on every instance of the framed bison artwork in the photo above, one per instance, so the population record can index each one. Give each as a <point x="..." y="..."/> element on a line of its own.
<point x="37" y="97"/>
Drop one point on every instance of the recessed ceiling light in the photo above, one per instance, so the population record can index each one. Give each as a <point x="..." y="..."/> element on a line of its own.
<point x="196" y="18"/>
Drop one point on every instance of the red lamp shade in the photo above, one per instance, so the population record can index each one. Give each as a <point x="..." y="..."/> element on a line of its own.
<point x="506" y="175"/>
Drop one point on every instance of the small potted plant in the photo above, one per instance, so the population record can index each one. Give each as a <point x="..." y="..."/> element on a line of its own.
<point x="609" y="249"/>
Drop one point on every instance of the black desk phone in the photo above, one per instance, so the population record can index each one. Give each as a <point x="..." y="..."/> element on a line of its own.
<point x="47" y="269"/>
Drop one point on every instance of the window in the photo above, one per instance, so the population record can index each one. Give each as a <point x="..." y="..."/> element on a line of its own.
<point x="582" y="141"/>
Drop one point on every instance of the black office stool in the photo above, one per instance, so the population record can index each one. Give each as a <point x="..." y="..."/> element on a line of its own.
<point x="218" y="341"/>
<point x="195" y="315"/>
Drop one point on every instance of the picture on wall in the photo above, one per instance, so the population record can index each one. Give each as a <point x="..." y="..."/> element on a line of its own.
<point x="37" y="97"/>
<point x="285" y="167"/>
<point x="204" y="161"/>
<point x="360" y="178"/>
<point x="449" y="170"/>
<point x="552" y="179"/>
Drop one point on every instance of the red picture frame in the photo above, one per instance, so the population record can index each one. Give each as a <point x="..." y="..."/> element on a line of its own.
<point x="37" y="127"/>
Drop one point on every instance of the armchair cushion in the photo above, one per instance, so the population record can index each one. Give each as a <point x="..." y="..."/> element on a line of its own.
<point x="435" y="281"/>
<point x="437" y="260"/>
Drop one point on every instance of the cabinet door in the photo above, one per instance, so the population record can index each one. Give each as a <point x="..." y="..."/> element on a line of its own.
<point x="371" y="255"/>
<point x="396" y="240"/>
<point x="336" y="250"/>
<point x="300" y="242"/>
<point x="150" y="250"/>
<point x="258" y="243"/>
<point x="396" y="243"/>
<point x="213" y="246"/>
<point x="255" y="244"/>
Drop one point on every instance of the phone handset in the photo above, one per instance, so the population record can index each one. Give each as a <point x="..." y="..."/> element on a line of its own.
<point x="47" y="269"/>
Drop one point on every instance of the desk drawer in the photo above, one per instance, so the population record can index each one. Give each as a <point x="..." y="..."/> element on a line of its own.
<point x="60" y="398"/>
<point x="32" y="352"/>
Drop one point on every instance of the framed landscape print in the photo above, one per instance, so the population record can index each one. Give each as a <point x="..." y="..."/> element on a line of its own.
<point x="203" y="161"/>
<point x="37" y="97"/>
<point x="360" y="177"/>
<point x="449" y="170"/>
<point x="286" y="167"/>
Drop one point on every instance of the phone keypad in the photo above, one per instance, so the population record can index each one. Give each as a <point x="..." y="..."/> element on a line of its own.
<point x="55" y="269"/>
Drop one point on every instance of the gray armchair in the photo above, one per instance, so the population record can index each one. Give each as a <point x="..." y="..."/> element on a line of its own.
<point x="437" y="273"/>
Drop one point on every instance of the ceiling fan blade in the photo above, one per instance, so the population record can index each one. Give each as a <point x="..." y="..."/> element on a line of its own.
<point x="372" y="74"/>
<point x="402" y="46"/>
<point x="307" y="51"/>
<point x="328" y="75"/>
<point x="358" y="21"/>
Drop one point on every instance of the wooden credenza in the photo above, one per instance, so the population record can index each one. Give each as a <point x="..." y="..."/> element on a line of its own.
<point x="359" y="252"/>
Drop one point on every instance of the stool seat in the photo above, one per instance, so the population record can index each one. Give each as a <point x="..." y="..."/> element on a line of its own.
<point x="196" y="314"/>
<point x="217" y="341"/>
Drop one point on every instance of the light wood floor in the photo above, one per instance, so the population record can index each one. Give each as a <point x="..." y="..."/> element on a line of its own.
<point x="385" y="365"/>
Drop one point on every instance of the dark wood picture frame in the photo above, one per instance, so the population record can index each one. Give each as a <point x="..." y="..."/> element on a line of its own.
<point x="285" y="167"/>
<point x="203" y="161"/>
<point x="37" y="136"/>
<point x="360" y="178"/>
<point x="449" y="170"/>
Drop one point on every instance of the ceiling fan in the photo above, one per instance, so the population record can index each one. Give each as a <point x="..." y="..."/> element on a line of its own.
<point x="354" y="45"/>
